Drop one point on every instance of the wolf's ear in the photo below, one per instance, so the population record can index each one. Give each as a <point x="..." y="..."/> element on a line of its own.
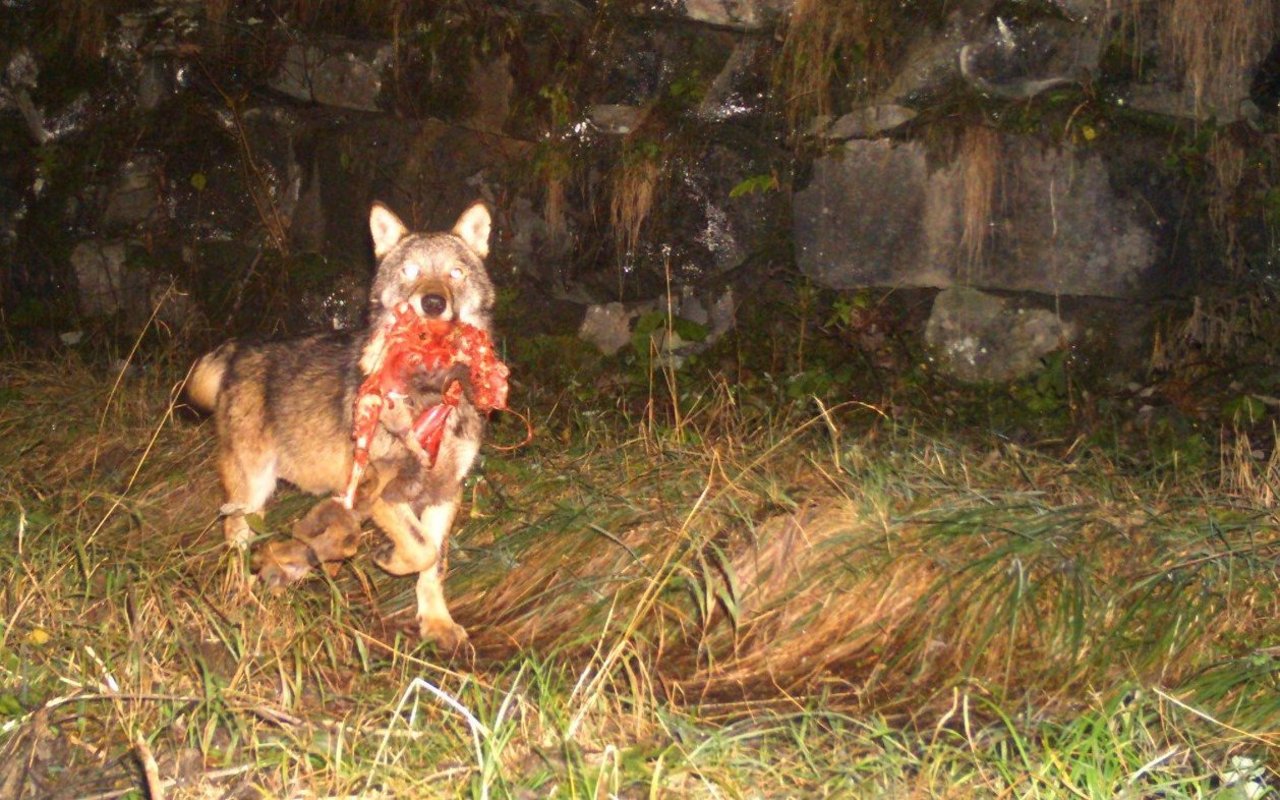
<point x="473" y="228"/>
<point x="387" y="229"/>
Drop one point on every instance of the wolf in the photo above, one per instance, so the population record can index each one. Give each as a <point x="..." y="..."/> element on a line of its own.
<point x="284" y="411"/>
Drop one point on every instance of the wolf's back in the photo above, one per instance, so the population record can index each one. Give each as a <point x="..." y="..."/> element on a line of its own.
<point x="206" y="377"/>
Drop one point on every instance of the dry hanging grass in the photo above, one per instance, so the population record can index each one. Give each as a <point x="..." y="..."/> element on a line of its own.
<point x="554" y="171"/>
<point x="83" y="23"/>
<point x="635" y="185"/>
<point x="807" y="63"/>
<point x="818" y="40"/>
<point x="980" y="155"/>
<point x="553" y="207"/>
<point x="1215" y="41"/>
<point x="1227" y="161"/>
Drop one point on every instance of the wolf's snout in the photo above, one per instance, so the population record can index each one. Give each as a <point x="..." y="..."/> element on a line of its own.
<point x="434" y="305"/>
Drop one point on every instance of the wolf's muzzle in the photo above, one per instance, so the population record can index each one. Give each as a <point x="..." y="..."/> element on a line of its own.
<point x="435" y="301"/>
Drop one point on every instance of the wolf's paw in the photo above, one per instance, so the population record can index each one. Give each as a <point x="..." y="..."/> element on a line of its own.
<point x="445" y="634"/>
<point x="238" y="535"/>
<point x="279" y="564"/>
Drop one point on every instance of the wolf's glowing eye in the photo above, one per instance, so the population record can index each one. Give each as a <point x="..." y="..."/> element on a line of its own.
<point x="456" y="273"/>
<point x="411" y="271"/>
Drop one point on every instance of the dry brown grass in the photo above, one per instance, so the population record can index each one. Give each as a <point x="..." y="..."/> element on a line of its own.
<point x="847" y="595"/>
<point x="1248" y="474"/>
<point x="1214" y="329"/>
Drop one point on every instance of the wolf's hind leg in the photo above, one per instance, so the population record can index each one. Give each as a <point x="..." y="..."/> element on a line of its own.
<point x="248" y="482"/>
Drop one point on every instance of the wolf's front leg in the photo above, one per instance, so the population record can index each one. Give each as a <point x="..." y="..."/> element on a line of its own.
<point x="435" y="623"/>
<point x="417" y="543"/>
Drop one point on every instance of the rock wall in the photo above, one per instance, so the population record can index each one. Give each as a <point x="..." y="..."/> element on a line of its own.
<point x="625" y="145"/>
<point x="876" y="213"/>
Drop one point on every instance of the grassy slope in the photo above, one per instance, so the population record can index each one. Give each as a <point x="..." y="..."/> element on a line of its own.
<point x="758" y="599"/>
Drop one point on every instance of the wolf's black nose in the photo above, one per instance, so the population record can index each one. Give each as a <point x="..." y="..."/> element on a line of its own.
<point x="433" y="305"/>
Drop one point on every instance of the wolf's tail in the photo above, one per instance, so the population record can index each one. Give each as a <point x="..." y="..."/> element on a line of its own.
<point x="206" y="377"/>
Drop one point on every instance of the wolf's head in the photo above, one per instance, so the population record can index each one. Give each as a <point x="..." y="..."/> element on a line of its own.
<point x="441" y="275"/>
